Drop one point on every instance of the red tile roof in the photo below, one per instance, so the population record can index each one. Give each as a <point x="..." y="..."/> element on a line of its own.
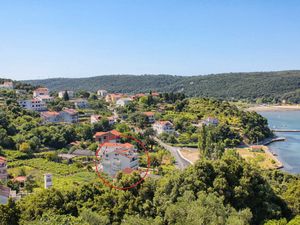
<point x="127" y="170"/>
<point x="20" y="179"/>
<point x="49" y="113"/>
<point x="2" y="159"/>
<point x="125" y="145"/>
<point x="149" y="113"/>
<point x="113" y="132"/>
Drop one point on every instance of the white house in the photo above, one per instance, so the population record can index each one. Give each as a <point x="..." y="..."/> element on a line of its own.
<point x="163" y="127"/>
<point x="112" y="120"/>
<point x="210" y="121"/>
<point x="3" y="169"/>
<point x="34" y="104"/>
<point x="70" y="94"/>
<point x="80" y="103"/>
<point x="40" y="91"/>
<point x="123" y="101"/>
<point x="95" y="118"/>
<point x="7" y="85"/>
<point x="115" y="157"/>
<point x="64" y="116"/>
<point x="102" y="93"/>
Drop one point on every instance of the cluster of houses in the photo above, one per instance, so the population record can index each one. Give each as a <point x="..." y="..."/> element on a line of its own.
<point x="6" y="192"/>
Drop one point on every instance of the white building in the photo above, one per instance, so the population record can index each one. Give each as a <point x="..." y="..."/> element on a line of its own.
<point x="115" y="157"/>
<point x="3" y="169"/>
<point x="4" y="194"/>
<point x="70" y="94"/>
<point x="34" y="104"/>
<point x="40" y="91"/>
<point x="64" y="116"/>
<point x="123" y="101"/>
<point x="102" y="93"/>
<point x="48" y="180"/>
<point x="7" y="85"/>
<point x="95" y="118"/>
<point x="80" y="103"/>
<point x="210" y="121"/>
<point x="163" y="127"/>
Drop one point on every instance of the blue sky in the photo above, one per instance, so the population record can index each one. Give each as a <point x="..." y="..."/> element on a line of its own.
<point x="77" y="38"/>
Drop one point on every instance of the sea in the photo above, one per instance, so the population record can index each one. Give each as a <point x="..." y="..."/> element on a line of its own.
<point x="288" y="151"/>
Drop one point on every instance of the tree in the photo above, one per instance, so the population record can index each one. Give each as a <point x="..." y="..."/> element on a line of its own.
<point x="9" y="213"/>
<point x="66" y="96"/>
<point x="25" y="147"/>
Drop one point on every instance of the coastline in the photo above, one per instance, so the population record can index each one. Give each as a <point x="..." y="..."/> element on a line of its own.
<point x="274" y="108"/>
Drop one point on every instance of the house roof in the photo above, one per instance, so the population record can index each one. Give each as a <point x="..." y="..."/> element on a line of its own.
<point x="127" y="170"/>
<point x="96" y="116"/>
<point x="113" y="132"/>
<point x="4" y="191"/>
<point x="41" y="89"/>
<point x="70" y="111"/>
<point x="2" y="159"/>
<point x="163" y="122"/>
<point x="20" y="179"/>
<point x="49" y="113"/>
<point x="118" y="145"/>
<point x="149" y="113"/>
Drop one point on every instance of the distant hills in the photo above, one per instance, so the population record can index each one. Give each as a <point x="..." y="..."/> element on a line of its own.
<point x="270" y="86"/>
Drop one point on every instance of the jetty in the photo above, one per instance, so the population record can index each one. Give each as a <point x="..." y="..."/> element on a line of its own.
<point x="282" y="130"/>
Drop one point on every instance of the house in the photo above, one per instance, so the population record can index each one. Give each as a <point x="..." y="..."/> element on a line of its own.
<point x="137" y="96"/>
<point x="210" y="121"/>
<point x="40" y="91"/>
<point x="163" y="127"/>
<point x="34" y="104"/>
<point x="7" y="85"/>
<point x="45" y="98"/>
<point x="115" y="157"/>
<point x="123" y="101"/>
<point x="113" y="98"/>
<point x="95" y="118"/>
<point x="112" y="136"/>
<point x="65" y="116"/>
<point x="112" y="120"/>
<point x="3" y="169"/>
<point x="50" y="116"/>
<point x="102" y="93"/>
<point x="150" y="116"/>
<point x="70" y="94"/>
<point x="4" y="194"/>
<point x="80" y="103"/>
<point x="69" y="115"/>
<point x="47" y="180"/>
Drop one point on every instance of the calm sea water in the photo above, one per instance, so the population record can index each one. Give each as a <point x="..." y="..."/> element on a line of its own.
<point x="288" y="151"/>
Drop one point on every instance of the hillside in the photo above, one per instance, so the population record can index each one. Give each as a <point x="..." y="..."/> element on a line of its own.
<point x="267" y="85"/>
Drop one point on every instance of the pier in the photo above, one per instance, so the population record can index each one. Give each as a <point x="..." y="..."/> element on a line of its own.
<point x="288" y="131"/>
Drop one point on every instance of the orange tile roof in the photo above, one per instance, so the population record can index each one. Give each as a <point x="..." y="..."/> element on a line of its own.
<point x="113" y="132"/>
<point x="127" y="170"/>
<point x="20" y="179"/>
<point x="149" y="113"/>
<point x="70" y="111"/>
<point x="125" y="145"/>
<point x="49" y="113"/>
<point x="2" y="159"/>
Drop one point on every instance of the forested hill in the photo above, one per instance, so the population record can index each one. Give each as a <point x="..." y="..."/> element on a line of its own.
<point x="267" y="85"/>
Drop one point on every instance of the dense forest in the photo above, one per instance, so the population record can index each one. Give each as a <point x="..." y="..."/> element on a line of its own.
<point x="258" y="86"/>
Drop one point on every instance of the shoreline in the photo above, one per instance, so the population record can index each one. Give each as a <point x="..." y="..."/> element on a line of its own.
<point x="274" y="108"/>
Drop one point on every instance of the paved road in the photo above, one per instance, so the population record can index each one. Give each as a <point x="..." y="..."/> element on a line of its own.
<point x="181" y="163"/>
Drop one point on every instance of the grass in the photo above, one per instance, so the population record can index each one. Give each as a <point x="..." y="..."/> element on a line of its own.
<point x="259" y="158"/>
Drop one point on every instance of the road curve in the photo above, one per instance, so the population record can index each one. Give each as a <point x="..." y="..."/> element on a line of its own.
<point x="181" y="163"/>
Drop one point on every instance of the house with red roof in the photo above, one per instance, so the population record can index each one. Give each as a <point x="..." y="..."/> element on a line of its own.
<point x="150" y="116"/>
<point x="112" y="136"/>
<point x="163" y="127"/>
<point x="115" y="157"/>
<point x="34" y="104"/>
<point x="3" y="169"/>
<point x="7" y="85"/>
<point x="65" y="116"/>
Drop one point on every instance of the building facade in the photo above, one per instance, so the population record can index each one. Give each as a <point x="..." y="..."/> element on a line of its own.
<point x="102" y="93"/>
<point x="34" y="104"/>
<point x="112" y="136"/>
<point x="3" y="169"/>
<point x="116" y="157"/>
<point x="163" y="127"/>
<point x="64" y="116"/>
<point x="70" y="94"/>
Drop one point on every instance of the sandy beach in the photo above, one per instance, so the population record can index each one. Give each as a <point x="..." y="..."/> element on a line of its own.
<point x="266" y="108"/>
